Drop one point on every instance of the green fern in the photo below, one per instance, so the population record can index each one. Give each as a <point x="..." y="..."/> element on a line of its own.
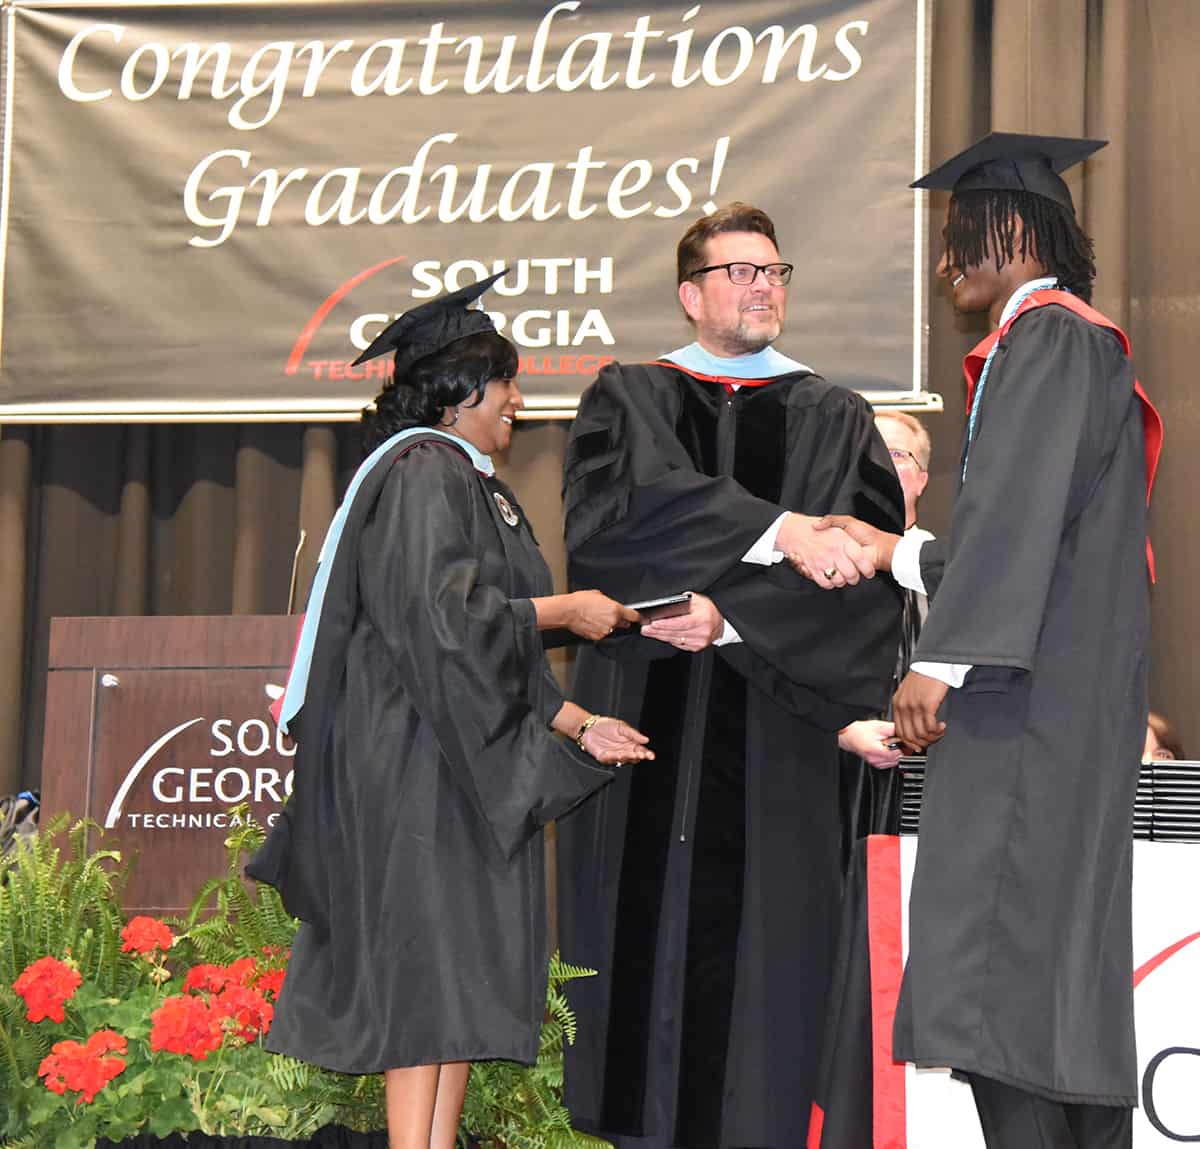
<point x="520" y="1107"/>
<point x="51" y="904"/>
<point x="290" y="1075"/>
<point x="239" y="921"/>
<point x="230" y="919"/>
<point x="22" y="1045"/>
<point x="28" y="1141"/>
<point x="61" y="899"/>
<point x="63" y="904"/>
<point x="363" y="1107"/>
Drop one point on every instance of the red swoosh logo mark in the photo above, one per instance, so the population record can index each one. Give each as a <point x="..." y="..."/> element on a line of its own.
<point x="1148" y="967"/>
<point x="318" y="316"/>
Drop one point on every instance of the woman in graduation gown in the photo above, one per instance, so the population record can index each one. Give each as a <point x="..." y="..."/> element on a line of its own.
<point x="425" y="717"/>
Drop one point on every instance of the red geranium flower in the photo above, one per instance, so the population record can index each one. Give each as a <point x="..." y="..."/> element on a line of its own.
<point x="46" y="985"/>
<point x="214" y="978"/>
<point x="105" y="1041"/>
<point x="247" y="1009"/>
<point x="242" y="971"/>
<point x="208" y="978"/>
<point x="144" y="935"/>
<point x="271" y="981"/>
<point x="83" y="1068"/>
<point x="185" y="1024"/>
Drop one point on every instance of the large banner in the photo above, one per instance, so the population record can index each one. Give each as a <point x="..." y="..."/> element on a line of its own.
<point x="209" y="209"/>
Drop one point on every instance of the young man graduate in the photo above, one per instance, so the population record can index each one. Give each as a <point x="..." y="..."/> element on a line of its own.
<point x="707" y="895"/>
<point x="1020" y="972"/>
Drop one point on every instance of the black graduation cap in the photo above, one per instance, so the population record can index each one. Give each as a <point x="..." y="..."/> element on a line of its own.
<point x="1013" y="161"/>
<point x="429" y="327"/>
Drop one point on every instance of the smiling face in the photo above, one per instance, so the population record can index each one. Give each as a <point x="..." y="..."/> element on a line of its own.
<point x="732" y="320"/>
<point x="978" y="288"/>
<point x="987" y="285"/>
<point x="487" y="424"/>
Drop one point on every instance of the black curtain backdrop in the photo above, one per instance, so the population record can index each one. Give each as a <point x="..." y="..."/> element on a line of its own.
<point x="203" y="519"/>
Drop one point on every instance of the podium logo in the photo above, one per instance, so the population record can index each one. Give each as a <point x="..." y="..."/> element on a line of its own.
<point x="1166" y="1025"/>
<point x="1184" y="1083"/>
<point x="172" y="785"/>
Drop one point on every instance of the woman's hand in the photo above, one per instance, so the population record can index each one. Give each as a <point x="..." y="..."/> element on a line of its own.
<point x="616" y="743"/>
<point x="594" y="616"/>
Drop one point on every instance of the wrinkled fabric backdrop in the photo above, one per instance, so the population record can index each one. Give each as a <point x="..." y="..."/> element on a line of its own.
<point x="202" y="519"/>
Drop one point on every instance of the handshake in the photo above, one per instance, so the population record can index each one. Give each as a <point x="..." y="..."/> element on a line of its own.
<point x="835" y="550"/>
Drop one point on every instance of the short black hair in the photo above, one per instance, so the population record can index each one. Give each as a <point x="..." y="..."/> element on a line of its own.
<point x="448" y="377"/>
<point x="983" y="223"/>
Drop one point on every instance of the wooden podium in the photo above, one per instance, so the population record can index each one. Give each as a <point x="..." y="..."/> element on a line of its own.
<point x="155" y="728"/>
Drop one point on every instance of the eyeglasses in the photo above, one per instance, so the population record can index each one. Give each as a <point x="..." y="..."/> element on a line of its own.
<point x="899" y="456"/>
<point x="744" y="274"/>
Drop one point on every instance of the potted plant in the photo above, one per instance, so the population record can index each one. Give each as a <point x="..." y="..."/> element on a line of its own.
<point x="132" y="1034"/>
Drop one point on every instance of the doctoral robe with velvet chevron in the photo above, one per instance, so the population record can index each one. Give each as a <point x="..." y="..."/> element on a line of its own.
<point x="704" y="886"/>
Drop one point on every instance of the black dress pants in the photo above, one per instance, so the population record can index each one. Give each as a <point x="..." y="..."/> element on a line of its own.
<point x="1014" y="1119"/>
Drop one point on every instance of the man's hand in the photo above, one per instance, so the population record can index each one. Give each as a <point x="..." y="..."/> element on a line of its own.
<point x="831" y="558"/>
<point x="869" y="740"/>
<point x="915" y="708"/>
<point x="879" y="545"/>
<point x="692" y="631"/>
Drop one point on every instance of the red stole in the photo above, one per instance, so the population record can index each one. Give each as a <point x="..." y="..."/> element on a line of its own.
<point x="1152" y="424"/>
<point x="729" y="382"/>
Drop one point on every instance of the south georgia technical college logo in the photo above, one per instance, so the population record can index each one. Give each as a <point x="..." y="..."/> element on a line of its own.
<point x="570" y="338"/>
<point x="190" y="776"/>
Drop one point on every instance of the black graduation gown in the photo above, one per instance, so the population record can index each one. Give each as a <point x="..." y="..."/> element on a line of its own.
<point x="1020" y="954"/>
<point x="425" y="769"/>
<point x="704" y="886"/>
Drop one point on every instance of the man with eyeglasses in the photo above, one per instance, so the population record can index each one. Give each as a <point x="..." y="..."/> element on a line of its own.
<point x="707" y="894"/>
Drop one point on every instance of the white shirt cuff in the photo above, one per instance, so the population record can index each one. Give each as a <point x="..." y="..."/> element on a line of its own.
<point x="727" y="635"/>
<point x="906" y="559"/>
<point x="763" y="552"/>
<point x="951" y="673"/>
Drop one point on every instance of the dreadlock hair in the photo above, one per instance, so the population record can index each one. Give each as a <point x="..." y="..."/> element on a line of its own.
<point x="458" y="372"/>
<point x="983" y="222"/>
